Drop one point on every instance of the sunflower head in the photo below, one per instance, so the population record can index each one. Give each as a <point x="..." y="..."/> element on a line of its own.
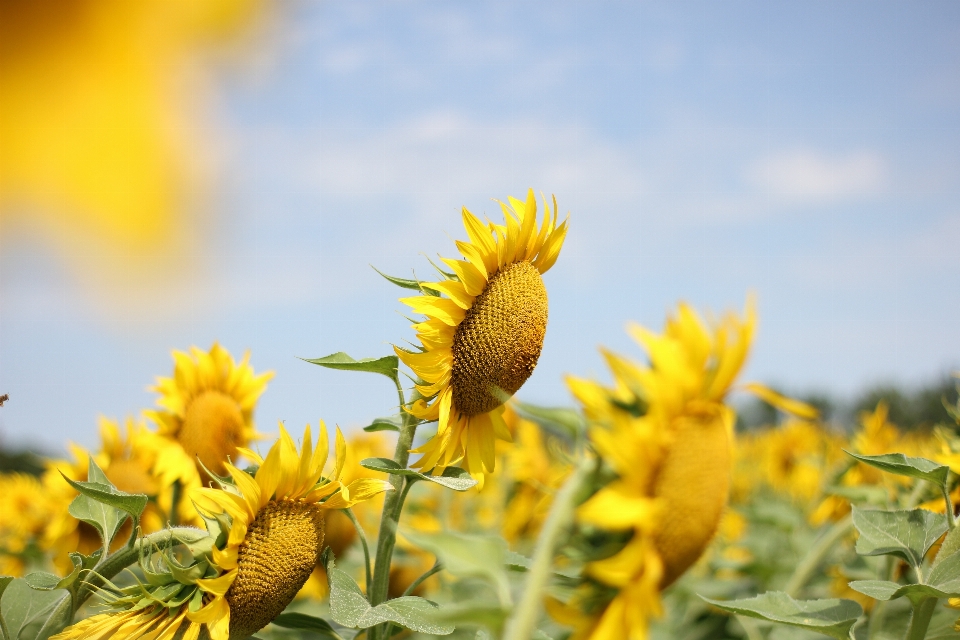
<point x="266" y="529"/>
<point x="664" y="429"/>
<point x="484" y="331"/>
<point x="207" y="407"/>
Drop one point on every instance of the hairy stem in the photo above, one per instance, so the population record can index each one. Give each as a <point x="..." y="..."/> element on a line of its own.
<point x="363" y="541"/>
<point x="523" y="622"/>
<point x="112" y="565"/>
<point x="922" y="613"/>
<point x="820" y="549"/>
<point x="387" y="536"/>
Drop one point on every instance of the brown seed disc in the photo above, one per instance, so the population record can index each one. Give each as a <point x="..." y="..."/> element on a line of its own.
<point x="496" y="346"/>
<point x="275" y="560"/>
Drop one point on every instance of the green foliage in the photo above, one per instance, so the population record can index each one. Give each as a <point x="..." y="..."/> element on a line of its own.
<point x="28" y="614"/>
<point x="905" y="534"/>
<point x="467" y="556"/>
<point x="389" y="423"/>
<point x="349" y="607"/>
<point x="899" y="464"/>
<point x="386" y="366"/>
<point x="318" y="626"/>
<point x="831" y="617"/>
<point x="405" y="283"/>
<point x="102" y="505"/>
<point x="452" y="477"/>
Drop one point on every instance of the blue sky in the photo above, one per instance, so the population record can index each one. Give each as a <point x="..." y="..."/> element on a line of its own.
<point x="806" y="151"/>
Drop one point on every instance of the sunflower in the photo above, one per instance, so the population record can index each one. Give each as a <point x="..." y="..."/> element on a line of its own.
<point x="207" y="407"/>
<point x="267" y="531"/>
<point x="26" y="509"/>
<point x="665" y="431"/>
<point x="483" y="334"/>
<point x="127" y="459"/>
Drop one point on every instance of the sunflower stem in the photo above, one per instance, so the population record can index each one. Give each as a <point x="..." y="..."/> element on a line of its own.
<point x="363" y="541"/>
<point x="523" y="622"/>
<point x="920" y="621"/>
<point x="387" y="536"/>
<point x="821" y="548"/>
<point x="114" y="564"/>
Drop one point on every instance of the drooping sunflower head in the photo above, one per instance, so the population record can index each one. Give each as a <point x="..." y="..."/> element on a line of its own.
<point x="266" y="531"/>
<point x="207" y="406"/>
<point x="484" y="331"/>
<point x="664" y="429"/>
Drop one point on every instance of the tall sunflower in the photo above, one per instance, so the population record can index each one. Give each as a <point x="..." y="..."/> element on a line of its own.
<point x="266" y="531"/>
<point x="207" y="407"/>
<point x="483" y="334"/>
<point x="665" y="431"/>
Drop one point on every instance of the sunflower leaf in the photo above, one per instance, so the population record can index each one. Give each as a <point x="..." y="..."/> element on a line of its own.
<point x="99" y="488"/>
<point x="831" y="617"/>
<point x="467" y="556"/>
<point x="452" y="477"/>
<point x="558" y="420"/>
<point x="38" y="613"/>
<point x="105" y="519"/>
<point x="905" y="534"/>
<point x="296" y="620"/>
<point x="408" y="611"/>
<point x="389" y="423"/>
<point x="906" y="466"/>
<point x="406" y="283"/>
<point x="387" y="365"/>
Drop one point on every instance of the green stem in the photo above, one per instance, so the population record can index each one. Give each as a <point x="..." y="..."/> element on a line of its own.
<point x="437" y="568"/>
<point x="820" y="549"/>
<point x="921" y="619"/>
<point x="174" y="516"/>
<point x="363" y="541"/>
<point x="523" y="622"/>
<point x="130" y="554"/>
<point x="387" y="536"/>
<point x="946" y="497"/>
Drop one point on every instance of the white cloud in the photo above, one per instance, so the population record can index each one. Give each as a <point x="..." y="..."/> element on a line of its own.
<point x="809" y="175"/>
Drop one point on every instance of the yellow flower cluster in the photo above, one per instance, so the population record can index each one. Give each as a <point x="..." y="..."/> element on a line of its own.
<point x="207" y="416"/>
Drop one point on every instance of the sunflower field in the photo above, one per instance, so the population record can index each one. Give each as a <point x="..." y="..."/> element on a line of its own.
<point x="639" y="511"/>
<point x="195" y="174"/>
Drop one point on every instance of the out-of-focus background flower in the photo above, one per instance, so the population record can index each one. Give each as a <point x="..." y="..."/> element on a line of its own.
<point x="179" y="173"/>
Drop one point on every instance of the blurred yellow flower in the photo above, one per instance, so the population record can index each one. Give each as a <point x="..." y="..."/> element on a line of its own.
<point x="127" y="459"/>
<point x="207" y="408"/>
<point x="665" y="431"/>
<point x="25" y="509"/>
<point x="98" y="145"/>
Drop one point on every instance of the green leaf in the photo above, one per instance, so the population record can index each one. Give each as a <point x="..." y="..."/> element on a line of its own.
<point x="347" y="602"/>
<point x="408" y="611"/>
<point x="349" y="607"/>
<point x="452" y="477"/>
<point x="22" y="607"/>
<point x="58" y="617"/>
<point x="390" y="423"/>
<point x="489" y="616"/>
<point x="406" y="283"/>
<point x="886" y="590"/>
<point x="386" y="365"/>
<point x="560" y="420"/>
<point x="306" y="622"/>
<point x="906" y="466"/>
<point x="905" y="534"/>
<point x="105" y="519"/>
<point x="831" y="617"/>
<point x="102" y="490"/>
<point x="517" y="562"/>
<point x="468" y="556"/>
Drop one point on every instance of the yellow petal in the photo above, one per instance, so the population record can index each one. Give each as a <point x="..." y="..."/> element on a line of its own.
<point x="771" y="397"/>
